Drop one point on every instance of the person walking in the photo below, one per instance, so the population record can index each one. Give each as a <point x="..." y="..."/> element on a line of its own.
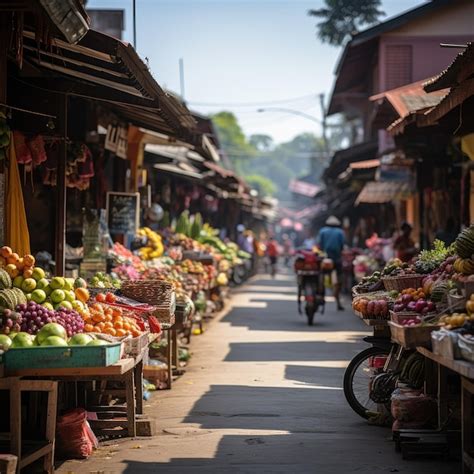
<point x="272" y="254"/>
<point x="331" y="241"/>
<point x="404" y="245"/>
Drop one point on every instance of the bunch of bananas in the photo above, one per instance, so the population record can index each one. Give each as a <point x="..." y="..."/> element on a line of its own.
<point x="464" y="265"/>
<point x="154" y="247"/>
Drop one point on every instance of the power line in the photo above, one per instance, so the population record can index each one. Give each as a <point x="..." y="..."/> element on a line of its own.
<point x="251" y="104"/>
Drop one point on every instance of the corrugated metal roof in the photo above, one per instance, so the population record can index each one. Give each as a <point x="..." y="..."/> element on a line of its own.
<point x="379" y="192"/>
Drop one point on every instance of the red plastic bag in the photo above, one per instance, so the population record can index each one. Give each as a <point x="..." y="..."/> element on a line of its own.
<point x="74" y="435"/>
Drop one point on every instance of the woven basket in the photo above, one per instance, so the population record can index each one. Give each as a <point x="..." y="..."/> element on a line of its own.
<point x="400" y="283"/>
<point x="158" y="293"/>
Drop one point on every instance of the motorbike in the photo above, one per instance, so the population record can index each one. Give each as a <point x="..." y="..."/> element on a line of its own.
<point x="310" y="269"/>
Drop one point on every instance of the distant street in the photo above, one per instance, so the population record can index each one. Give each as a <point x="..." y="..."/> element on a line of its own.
<point x="263" y="394"/>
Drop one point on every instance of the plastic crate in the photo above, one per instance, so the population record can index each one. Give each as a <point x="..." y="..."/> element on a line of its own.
<point x="62" y="357"/>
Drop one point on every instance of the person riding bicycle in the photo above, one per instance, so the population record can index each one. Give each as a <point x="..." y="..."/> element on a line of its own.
<point x="331" y="240"/>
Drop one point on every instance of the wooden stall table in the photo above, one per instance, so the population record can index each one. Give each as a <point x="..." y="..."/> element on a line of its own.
<point x="122" y="371"/>
<point x="465" y="370"/>
<point x="171" y="348"/>
<point x="28" y="451"/>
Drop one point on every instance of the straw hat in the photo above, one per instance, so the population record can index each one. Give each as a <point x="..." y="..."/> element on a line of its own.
<point x="333" y="220"/>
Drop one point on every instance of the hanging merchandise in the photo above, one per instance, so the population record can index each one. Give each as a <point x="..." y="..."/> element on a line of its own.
<point x="23" y="153"/>
<point x="38" y="152"/>
<point x="16" y="234"/>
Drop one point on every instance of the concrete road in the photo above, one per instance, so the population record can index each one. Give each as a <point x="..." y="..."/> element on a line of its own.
<point x="262" y="394"/>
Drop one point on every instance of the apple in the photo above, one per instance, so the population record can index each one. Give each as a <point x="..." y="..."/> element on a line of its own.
<point x="18" y="281"/>
<point x="38" y="296"/>
<point x="54" y="341"/>
<point x="57" y="296"/>
<point x="68" y="284"/>
<point x="28" y="296"/>
<point x="80" y="340"/>
<point x="70" y="295"/>
<point x="42" y="283"/>
<point x="22" y="339"/>
<point x="48" y="305"/>
<point x="28" y="285"/>
<point x="47" y="289"/>
<point x="51" y="329"/>
<point x="38" y="273"/>
<point x="6" y="342"/>
<point x="64" y="304"/>
<point x="57" y="283"/>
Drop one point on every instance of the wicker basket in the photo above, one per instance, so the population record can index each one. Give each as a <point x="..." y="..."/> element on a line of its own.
<point x="411" y="337"/>
<point x="158" y="293"/>
<point x="402" y="282"/>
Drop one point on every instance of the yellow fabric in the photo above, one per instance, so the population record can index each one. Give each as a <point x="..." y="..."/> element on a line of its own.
<point x="467" y="145"/>
<point x="16" y="235"/>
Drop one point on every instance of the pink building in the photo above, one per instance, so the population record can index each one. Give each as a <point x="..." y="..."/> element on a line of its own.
<point x="399" y="51"/>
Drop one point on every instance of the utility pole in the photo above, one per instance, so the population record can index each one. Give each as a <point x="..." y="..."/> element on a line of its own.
<point x="181" y="77"/>
<point x="134" y="25"/>
<point x="324" y="125"/>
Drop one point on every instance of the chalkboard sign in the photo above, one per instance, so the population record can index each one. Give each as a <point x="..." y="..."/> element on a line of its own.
<point x="123" y="212"/>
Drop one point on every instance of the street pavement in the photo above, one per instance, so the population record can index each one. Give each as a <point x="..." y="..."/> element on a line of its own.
<point x="262" y="394"/>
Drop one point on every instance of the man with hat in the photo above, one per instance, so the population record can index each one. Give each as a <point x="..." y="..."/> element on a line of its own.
<point x="331" y="241"/>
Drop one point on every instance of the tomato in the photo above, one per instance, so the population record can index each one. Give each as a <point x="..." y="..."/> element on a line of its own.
<point x="101" y="298"/>
<point x="110" y="298"/>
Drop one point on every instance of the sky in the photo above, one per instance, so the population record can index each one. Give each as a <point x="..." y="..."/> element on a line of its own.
<point x="240" y="55"/>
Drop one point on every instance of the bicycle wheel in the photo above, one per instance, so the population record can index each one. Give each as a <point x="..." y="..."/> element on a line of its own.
<point x="358" y="378"/>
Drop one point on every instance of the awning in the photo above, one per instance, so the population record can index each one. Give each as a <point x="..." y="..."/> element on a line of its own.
<point x="304" y="188"/>
<point x="365" y="165"/>
<point x="379" y="192"/>
<point x="178" y="153"/>
<point x="179" y="169"/>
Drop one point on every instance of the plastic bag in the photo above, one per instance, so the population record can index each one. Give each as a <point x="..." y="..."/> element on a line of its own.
<point x="413" y="407"/>
<point x="75" y="436"/>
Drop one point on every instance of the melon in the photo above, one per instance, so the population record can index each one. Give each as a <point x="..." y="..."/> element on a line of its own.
<point x="5" y="280"/>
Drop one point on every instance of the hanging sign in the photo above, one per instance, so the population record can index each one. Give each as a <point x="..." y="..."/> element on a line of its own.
<point x="123" y="212"/>
<point x="116" y="140"/>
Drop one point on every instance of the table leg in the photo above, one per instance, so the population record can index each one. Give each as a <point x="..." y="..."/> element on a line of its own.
<point x="442" y="396"/>
<point x="174" y="334"/>
<point x="130" y="399"/>
<point x="15" y="419"/>
<point x="169" y="349"/>
<point x="467" y="390"/>
<point x="48" y="464"/>
<point x="138" y="376"/>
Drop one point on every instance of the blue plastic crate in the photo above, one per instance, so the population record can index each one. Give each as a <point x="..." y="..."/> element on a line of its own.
<point x="61" y="357"/>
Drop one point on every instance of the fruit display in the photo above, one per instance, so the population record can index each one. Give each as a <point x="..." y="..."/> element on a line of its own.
<point x="154" y="245"/>
<point x="436" y="259"/>
<point x="110" y="320"/>
<point x="455" y="320"/>
<point x="373" y="306"/>
<point x="464" y="243"/>
<point x="413" y="300"/>
<point x="464" y="266"/>
<point x="10" y="321"/>
<point x="104" y="280"/>
<point x="15" y="265"/>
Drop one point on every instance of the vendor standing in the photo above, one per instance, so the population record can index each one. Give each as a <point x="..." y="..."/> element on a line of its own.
<point x="331" y="241"/>
<point x="404" y="245"/>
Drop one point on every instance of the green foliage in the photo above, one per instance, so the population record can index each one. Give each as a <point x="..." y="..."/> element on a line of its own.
<point x="264" y="186"/>
<point x="261" y="142"/>
<point x="343" y="18"/>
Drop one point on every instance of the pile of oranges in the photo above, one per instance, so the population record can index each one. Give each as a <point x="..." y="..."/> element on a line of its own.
<point x="110" y="320"/>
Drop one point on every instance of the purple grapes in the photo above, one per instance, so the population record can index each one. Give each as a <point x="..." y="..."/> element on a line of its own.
<point x="32" y="317"/>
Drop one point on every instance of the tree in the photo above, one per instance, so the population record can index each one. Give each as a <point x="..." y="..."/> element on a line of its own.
<point x="264" y="186"/>
<point x="343" y="18"/>
<point x="261" y="142"/>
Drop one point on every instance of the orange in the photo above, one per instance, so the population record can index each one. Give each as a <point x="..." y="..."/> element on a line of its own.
<point x="117" y="312"/>
<point x="88" y="328"/>
<point x="110" y="331"/>
<point x="100" y="325"/>
<point x="6" y="251"/>
<point x="118" y="325"/>
<point x="13" y="258"/>
<point x="100" y="297"/>
<point x="108" y="317"/>
<point x="120" y="332"/>
<point x="127" y="326"/>
<point x="97" y="317"/>
<point x="135" y="333"/>
<point x="108" y="324"/>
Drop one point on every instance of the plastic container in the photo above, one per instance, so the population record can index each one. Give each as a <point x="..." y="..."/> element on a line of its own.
<point x="62" y="357"/>
<point x="466" y="347"/>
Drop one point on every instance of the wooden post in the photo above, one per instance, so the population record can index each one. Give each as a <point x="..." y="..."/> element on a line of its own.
<point x="4" y="40"/>
<point x="61" y="189"/>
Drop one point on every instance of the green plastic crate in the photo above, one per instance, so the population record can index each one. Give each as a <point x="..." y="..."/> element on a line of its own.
<point x="61" y="357"/>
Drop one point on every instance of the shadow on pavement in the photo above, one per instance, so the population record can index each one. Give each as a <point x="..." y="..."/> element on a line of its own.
<point x="310" y="375"/>
<point x="293" y="351"/>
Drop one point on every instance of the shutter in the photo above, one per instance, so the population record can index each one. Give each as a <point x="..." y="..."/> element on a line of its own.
<point x="398" y="65"/>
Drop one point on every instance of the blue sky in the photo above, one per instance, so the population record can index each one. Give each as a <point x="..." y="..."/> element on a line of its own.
<point x="236" y="52"/>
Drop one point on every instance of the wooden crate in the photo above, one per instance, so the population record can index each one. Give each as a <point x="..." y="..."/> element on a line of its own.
<point x="410" y="337"/>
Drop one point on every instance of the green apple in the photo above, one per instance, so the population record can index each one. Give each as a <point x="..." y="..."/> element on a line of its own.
<point x="51" y="329"/>
<point x="64" y="304"/>
<point x="28" y="285"/>
<point x="18" y="281"/>
<point x="54" y="341"/>
<point x="57" y="296"/>
<point x="38" y="273"/>
<point x="48" y="305"/>
<point x="47" y="289"/>
<point x="70" y="295"/>
<point x="28" y="296"/>
<point x="22" y="339"/>
<point x="6" y="342"/>
<point x="41" y="284"/>
<point x="80" y="340"/>
<point x="38" y="296"/>
<point x="78" y="305"/>
<point x="68" y="284"/>
<point x="57" y="283"/>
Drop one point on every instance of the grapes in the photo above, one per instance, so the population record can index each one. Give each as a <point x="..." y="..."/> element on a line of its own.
<point x="9" y="321"/>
